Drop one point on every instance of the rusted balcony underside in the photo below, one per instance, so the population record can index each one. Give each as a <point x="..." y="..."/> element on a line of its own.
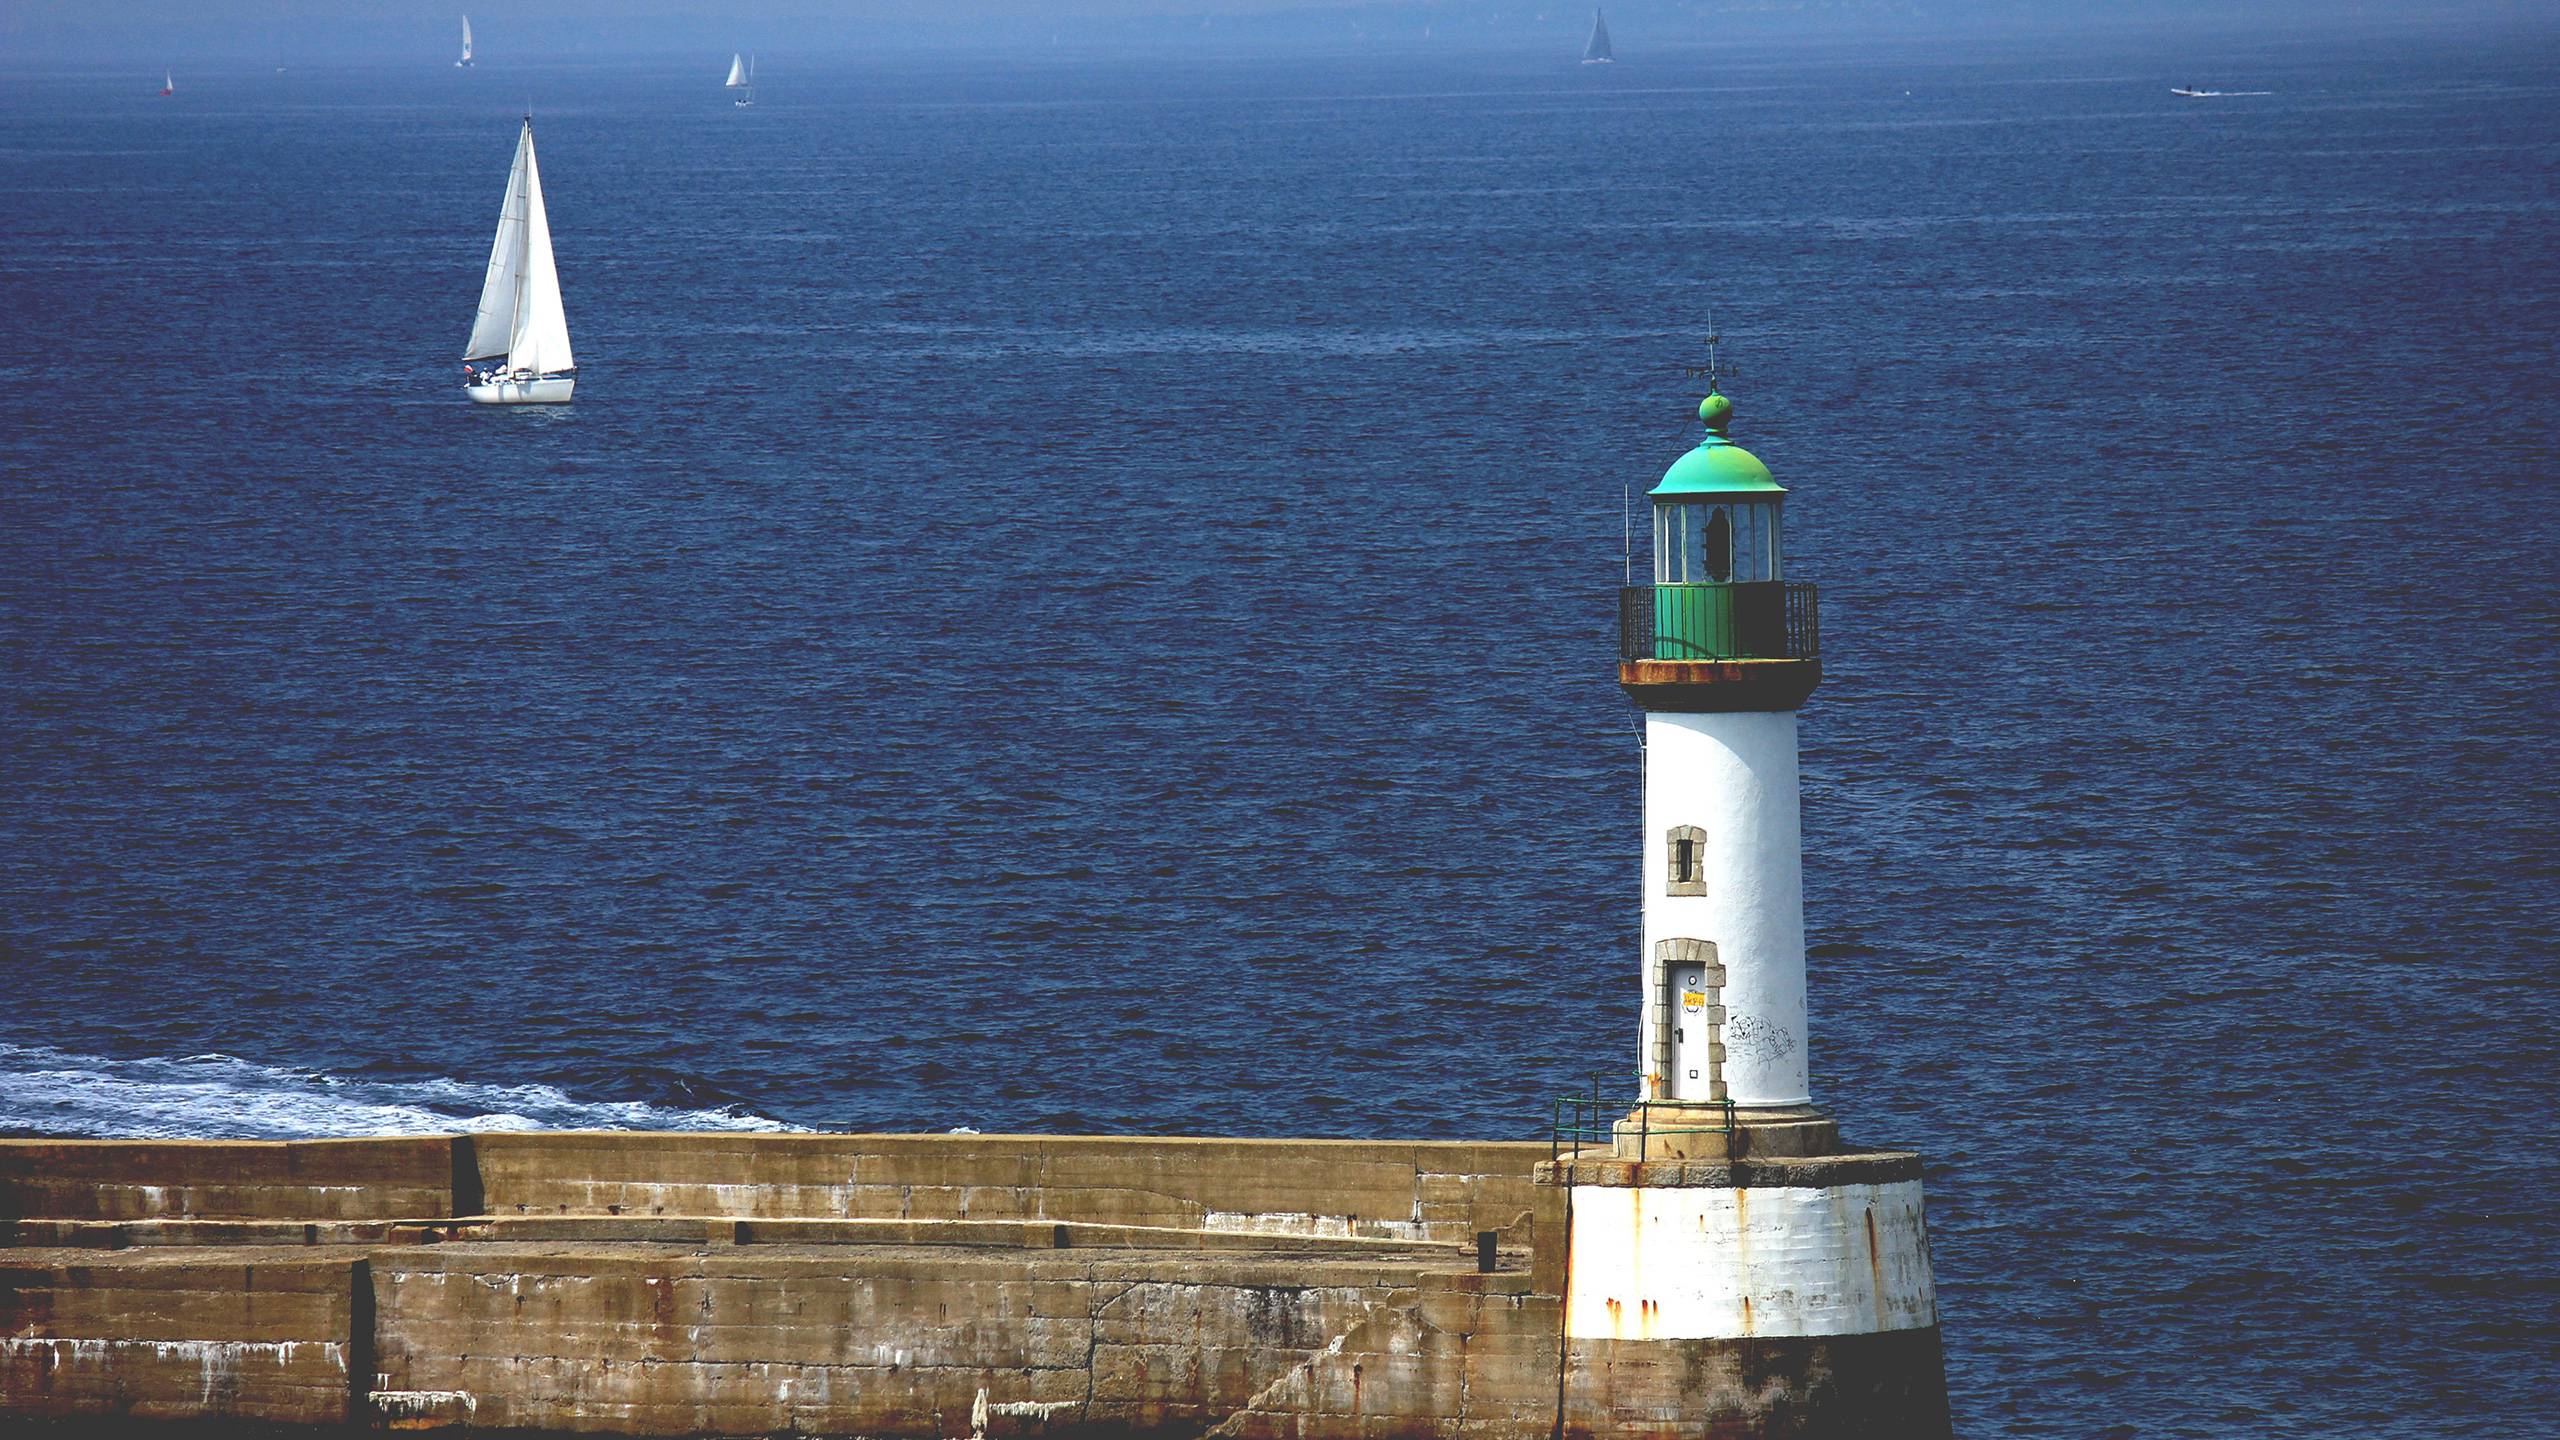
<point x="1719" y="684"/>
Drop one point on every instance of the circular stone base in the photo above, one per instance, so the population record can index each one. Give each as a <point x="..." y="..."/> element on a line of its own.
<point x="1669" y="1130"/>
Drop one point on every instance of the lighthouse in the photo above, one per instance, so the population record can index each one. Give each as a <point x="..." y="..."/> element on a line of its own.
<point x="1719" y="651"/>
<point x="1730" y="1263"/>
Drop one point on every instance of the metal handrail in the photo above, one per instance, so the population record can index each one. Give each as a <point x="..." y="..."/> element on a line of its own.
<point x="1745" y="620"/>
<point x="1595" y="1116"/>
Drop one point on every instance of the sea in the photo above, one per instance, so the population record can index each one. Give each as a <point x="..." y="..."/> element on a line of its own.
<point x="1076" y="595"/>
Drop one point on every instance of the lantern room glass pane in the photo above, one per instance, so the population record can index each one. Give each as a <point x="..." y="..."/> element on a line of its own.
<point x="1731" y="542"/>
<point x="1755" y="541"/>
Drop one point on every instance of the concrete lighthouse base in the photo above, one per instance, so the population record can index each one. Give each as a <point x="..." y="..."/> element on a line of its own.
<point x="1788" y="1296"/>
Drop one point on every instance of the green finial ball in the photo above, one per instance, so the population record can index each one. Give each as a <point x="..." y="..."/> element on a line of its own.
<point x="1714" y="411"/>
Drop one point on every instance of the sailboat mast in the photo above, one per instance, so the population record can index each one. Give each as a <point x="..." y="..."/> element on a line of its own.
<point x="521" y="182"/>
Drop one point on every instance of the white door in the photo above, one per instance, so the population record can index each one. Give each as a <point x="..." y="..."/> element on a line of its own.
<point x="1697" y="1032"/>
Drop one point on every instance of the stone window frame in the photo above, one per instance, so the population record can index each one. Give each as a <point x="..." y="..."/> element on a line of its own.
<point x="1672" y="883"/>
<point x="1668" y="956"/>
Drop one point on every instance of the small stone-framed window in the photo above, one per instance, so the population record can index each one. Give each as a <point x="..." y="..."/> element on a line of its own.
<point x="1687" y="856"/>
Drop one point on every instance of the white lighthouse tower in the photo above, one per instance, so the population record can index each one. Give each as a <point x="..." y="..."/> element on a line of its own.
<point x="1730" y="1265"/>
<point x="1719" y="651"/>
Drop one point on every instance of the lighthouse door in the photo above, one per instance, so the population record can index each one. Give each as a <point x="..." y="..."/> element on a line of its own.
<point x="1692" y="983"/>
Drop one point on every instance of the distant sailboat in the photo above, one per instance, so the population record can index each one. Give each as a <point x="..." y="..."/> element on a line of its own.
<point x="737" y="71"/>
<point x="169" y="83"/>
<point x="746" y="82"/>
<point x="520" y="320"/>
<point x="1597" y="52"/>
<point x="465" y="62"/>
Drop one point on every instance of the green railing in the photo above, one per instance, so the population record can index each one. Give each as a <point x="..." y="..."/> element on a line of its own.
<point x="1752" y="620"/>
<point x="1593" y="1120"/>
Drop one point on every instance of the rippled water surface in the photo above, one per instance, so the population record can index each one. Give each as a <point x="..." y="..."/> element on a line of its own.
<point x="1077" y="599"/>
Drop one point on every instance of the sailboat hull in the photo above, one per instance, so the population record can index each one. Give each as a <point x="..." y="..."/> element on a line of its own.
<point x="541" y="390"/>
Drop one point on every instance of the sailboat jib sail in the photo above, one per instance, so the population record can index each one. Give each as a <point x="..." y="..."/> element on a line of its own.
<point x="520" y="318"/>
<point x="541" y="342"/>
<point x="737" y="71"/>
<point x="1597" y="52"/>
<point x="465" y="62"/>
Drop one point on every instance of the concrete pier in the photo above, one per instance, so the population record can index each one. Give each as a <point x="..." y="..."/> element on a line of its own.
<point x="906" y="1285"/>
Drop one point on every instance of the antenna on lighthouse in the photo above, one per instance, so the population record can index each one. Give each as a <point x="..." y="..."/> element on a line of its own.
<point x="1714" y="368"/>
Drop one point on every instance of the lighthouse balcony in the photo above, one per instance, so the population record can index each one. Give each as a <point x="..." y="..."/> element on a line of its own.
<point x="1750" y="620"/>
<point x="1748" y="645"/>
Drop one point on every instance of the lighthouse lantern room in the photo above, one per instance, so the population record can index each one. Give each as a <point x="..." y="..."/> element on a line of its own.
<point x="1716" y="512"/>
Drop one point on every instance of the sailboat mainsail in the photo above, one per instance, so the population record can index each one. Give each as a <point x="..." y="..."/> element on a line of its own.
<point x="465" y="62"/>
<point x="520" y="316"/>
<point x="737" y="71"/>
<point x="1597" y="52"/>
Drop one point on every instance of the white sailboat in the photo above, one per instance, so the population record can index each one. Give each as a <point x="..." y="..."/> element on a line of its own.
<point x="745" y="82"/>
<point x="169" y="83"/>
<point x="1598" y="52"/>
<point x="465" y="62"/>
<point x="519" y="350"/>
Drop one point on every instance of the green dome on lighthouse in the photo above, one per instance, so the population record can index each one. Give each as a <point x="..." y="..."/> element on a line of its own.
<point x="1717" y="466"/>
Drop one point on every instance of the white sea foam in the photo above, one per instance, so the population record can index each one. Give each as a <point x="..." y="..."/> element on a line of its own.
<point x="223" y="1096"/>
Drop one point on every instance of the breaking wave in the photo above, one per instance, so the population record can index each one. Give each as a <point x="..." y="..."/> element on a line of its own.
<point x="50" y="1092"/>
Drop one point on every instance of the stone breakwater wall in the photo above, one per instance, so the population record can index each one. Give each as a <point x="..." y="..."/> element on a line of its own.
<point x="883" y="1285"/>
<point x="1403" y="1190"/>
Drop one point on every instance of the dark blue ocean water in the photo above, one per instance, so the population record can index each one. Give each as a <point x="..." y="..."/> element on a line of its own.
<point x="1077" y="598"/>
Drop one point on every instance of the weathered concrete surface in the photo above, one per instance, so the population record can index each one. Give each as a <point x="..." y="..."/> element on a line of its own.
<point x="1851" y="1386"/>
<point x="887" y="1341"/>
<point x="179" y="1335"/>
<point x="1721" y="1263"/>
<point x="1402" y="1190"/>
<point x="1388" y="1190"/>
<point x="227" y="1179"/>
<point x="1483" y="1365"/>
<point x="875" y="1285"/>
